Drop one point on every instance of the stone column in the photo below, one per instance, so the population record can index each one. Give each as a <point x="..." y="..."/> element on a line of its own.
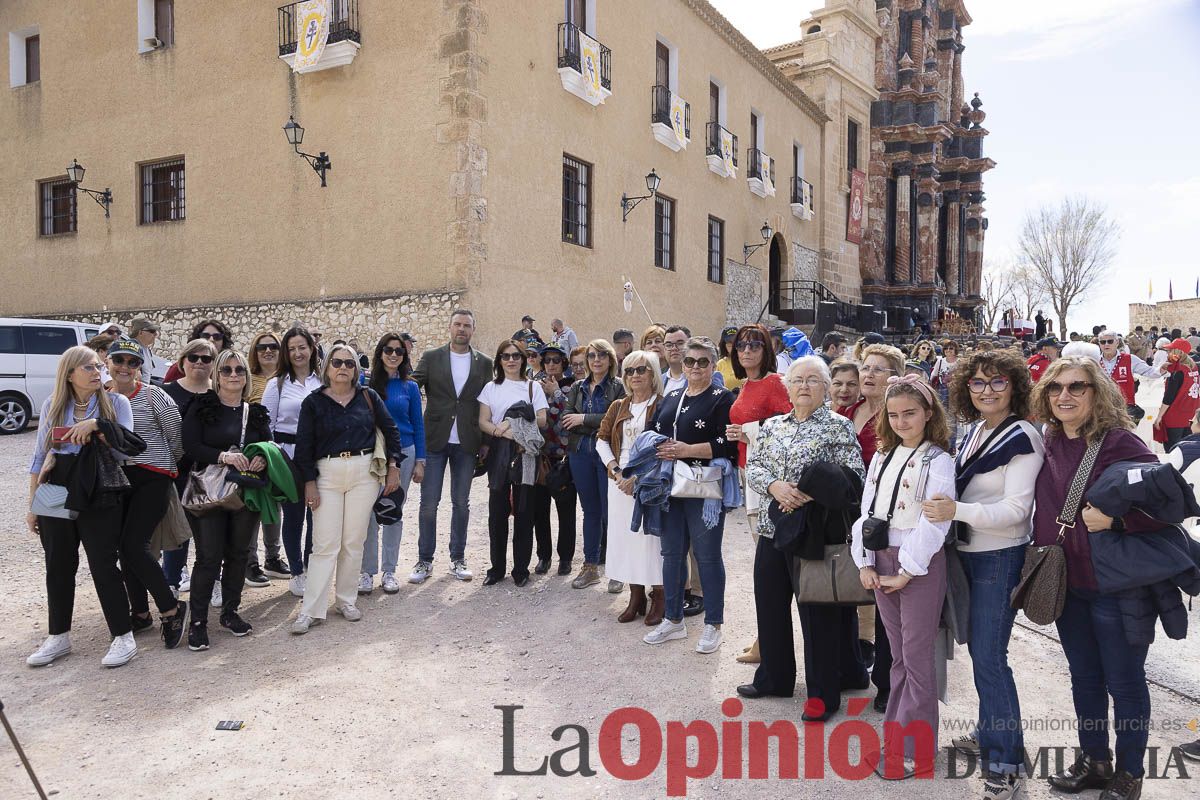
<point x="903" y="230"/>
<point x="927" y="229"/>
<point x="952" y="287"/>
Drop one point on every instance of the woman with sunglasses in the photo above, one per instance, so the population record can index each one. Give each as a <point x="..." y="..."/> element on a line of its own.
<point x="1180" y="395"/>
<point x="996" y="472"/>
<point x="195" y="365"/>
<point x="725" y="365"/>
<point x="587" y="403"/>
<point x="507" y="497"/>
<point x="295" y="380"/>
<point x="264" y="363"/>
<point x="212" y="330"/>
<point x="218" y="425"/>
<point x="633" y="557"/>
<point x="763" y="396"/>
<point x="696" y="420"/>
<point x="335" y="445"/>
<point x="555" y="384"/>
<point x="390" y="371"/>
<point x="1081" y="406"/>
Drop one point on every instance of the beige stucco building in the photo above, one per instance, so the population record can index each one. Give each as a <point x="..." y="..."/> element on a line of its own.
<point x="471" y="164"/>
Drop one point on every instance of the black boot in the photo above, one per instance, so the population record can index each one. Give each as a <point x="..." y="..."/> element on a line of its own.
<point x="1123" y="787"/>
<point x="1085" y="773"/>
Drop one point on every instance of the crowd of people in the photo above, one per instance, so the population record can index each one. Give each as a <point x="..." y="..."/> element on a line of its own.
<point x="936" y="472"/>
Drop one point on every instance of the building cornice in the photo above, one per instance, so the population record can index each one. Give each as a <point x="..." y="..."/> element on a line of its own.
<point x="738" y="41"/>
<point x="798" y="67"/>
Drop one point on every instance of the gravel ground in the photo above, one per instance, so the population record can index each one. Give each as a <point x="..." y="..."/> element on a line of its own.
<point x="402" y="703"/>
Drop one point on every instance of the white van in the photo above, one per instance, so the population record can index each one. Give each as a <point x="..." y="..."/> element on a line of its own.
<point x="29" y="353"/>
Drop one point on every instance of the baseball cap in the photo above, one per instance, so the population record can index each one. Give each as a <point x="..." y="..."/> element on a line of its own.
<point x="873" y="338"/>
<point x="1049" y="340"/>
<point x="527" y="318"/>
<point x="113" y="324"/>
<point x="126" y="347"/>
<point x="139" y="324"/>
<point x="1182" y="345"/>
<point x="552" y="348"/>
<point x="389" y="508"/>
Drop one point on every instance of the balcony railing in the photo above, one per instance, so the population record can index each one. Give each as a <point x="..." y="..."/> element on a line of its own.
<point x="754" y="167"/>
<point x="570" y="54"/>
<point x="713" y="131"/>
<point x="660" y="109"/>
<point x="802" y="192"/>
<point x="343" y="25"/>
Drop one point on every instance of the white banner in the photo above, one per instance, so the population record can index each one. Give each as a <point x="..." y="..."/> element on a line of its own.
<point x="764" y="171"/>
<point x="312" y="30"/>
<point x="678" y="107"/>
<point x="589" y="66"/>
<point x="727" y="153"/>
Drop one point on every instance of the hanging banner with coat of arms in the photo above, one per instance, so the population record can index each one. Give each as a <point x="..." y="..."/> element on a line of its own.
<point x="854" y="214"/>
<point x="727" y="153"/>
<point x="312" y="30"/>
<point x="764" y="171"/>
<point x="589" y="66"/>
<point x="678" y="107"/>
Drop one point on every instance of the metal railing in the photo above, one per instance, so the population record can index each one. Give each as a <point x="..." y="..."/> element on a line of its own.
<point x="796" y="302"/>
<point x="754" y="165"/>
<point x="660" y="109"/>
<point x="570" y="54"/>
<point x="802" y="192"/>
<point x="713" y="131"/>
<point x="343" y="24"/>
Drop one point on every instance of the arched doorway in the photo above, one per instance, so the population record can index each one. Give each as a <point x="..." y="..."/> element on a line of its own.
<point x="777" y="258"/>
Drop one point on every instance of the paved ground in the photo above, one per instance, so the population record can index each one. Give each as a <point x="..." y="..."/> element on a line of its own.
<point x="403" y="703"/>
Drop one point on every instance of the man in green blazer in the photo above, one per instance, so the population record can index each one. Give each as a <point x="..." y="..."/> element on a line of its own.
<point x="452" y="376"/>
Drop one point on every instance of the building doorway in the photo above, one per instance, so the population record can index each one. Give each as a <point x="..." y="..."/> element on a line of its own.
<point x="775" y="275"/>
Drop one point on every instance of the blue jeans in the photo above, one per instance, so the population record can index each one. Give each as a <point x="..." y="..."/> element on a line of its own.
<point x="174" y="562"/>
<point x="591" y="483"/>
<point x="684" y="525"/>
<point x="295" y="515"/>
<point x="462" y="471"/>
<point x="1103" y="664"/>
<point x="992" y="576"/>
<point x="391" y="533"/>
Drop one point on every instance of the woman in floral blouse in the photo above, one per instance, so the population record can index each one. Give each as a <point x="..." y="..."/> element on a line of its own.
<point x="787" y="445"/>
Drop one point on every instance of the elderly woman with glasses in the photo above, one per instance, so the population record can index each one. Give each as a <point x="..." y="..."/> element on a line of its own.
<point x="695" y="419"/>
<point x="335" y="445"/>
<point x="793" y="449"/>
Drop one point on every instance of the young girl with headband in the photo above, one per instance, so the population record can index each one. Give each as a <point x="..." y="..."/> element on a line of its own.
<point x="900" y="556"/>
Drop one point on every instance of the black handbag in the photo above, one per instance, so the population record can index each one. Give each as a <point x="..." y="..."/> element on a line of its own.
<point x="875" y="530"/>
<point x="558" y="477"/>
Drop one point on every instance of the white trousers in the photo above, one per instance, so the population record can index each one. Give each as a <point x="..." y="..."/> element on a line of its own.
<point x="348" y="492"/>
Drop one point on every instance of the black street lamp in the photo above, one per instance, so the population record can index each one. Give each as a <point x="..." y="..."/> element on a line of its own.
<point x="295" y="136"/>
<point x="749" y="249"/>
<point x="629" y="203"/>
<point x="75" y="175"/>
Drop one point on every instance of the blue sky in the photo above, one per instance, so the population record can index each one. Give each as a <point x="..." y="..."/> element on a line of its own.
<point x="1093" y="97"/>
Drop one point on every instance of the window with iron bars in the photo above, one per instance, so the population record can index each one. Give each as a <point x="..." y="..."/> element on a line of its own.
<point x="716" y="250"/>
<point x="56" y="207"/>
<point x="664" y="232"/>
<point x="163" y="192"/>
<point x="577" y="201"/>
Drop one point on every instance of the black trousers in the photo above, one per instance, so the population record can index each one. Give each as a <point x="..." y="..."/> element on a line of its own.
<point x="832" y="659"/>
<point x="145" y="506"/>
<point x="99" y="532"/>
<point x="500" y="505"/>
<point x="222" y="538"/>
<point x="773" y="598"/>
<point x="881" y="672"/>
<point x="564" y="502"/>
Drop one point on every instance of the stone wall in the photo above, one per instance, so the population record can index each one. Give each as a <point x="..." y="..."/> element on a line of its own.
<point x="743" y="293"/>
<point x="806" y="263"/>
<point x="425" y="316"/>
<point x="1169" y="313"/>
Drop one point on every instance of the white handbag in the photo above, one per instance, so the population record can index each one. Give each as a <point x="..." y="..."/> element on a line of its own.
<point x="694" y="480"/>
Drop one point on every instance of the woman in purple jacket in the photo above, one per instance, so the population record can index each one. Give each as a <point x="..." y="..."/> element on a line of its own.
<point x="1080" y="406"/>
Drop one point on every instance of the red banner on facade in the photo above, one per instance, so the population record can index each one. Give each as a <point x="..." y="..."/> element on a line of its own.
<point x="854" y="216"/>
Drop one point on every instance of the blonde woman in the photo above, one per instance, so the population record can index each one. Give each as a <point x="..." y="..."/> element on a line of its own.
<point x="335" y="439"/>
<point x="634" y="558"/>
<point x="79" y="405"/>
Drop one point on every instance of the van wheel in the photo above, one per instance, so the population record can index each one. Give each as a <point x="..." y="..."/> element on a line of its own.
<point x="14" y="414"/>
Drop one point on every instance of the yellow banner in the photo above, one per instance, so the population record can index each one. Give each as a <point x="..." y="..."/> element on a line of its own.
<point x="727" y="153"/>
<point x="678" y="107"/>
<point x="764" y="170"/>
<point x="589" y="65"/>
<point x="312" y="29"/>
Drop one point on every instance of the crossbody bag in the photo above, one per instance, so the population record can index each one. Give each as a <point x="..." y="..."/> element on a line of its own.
<point x="693" y="481"/>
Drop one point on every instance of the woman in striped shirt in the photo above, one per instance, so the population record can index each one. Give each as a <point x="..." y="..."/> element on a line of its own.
<point x="156" y="420"/>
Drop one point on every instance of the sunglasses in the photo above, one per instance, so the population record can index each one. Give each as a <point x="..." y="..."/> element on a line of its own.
<point x="342" y="363"/>
<point x="394" y="351"/>
<point x="1074" y="388"/>
<point x="126" y="361"/>
<point x="510" y="356"/>
<point x="597" y="356"/>
<point x="113" y="332"/>
<point x="237" y="371"/>
<point x="194" y="357"/>
<point x="977" y="385"/>
<point x="1107" y="341"/>
<point x="213" y="337"/>
<point x="552" y="360"/>
<point x="266" y="347"/>
<point x="92" y="368"/>
<point x="749" y="344"/>
<point x="642" y="370"/>
<point x="702" y="363"/>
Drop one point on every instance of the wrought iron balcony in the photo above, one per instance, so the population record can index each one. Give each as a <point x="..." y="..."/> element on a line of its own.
<point x="754" y="160"/>
<point x="661" y="123"/>
<point x="570" y="54"/>
<point x="343" y="25"/>
<point x="713" y="131"/>
<point x="802" y="198"/>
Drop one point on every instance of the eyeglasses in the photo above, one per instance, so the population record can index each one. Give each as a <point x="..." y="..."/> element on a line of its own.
<point x="194" y="357"/>
<point x="809" y="382"/>
<point x="267" y="347"/>
<point x="341" y="363"/>
<point x="749" y="344"/>
<point x="394" y="351"/>
<point x="674" y="345"/>
<point x="552" y="360"/>
<point x="510" y="356"/>
<point x="641" y="370"/>
<point x="1074" y="388"/>
<point x="213" y="337"/>
<point x="977" y="385"/>
<point x="1107" y="341"/>
<point x="876" y="370"/>
<point x="597" y="356"/>
<point x="126" y="361"/>
<point x="238" y="371"/>
<point x="702" y="363"/>
<point x="578" y="366"/>
<point x="92" y="368"/>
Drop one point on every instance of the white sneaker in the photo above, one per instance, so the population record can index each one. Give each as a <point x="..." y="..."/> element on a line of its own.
<point x="968" y="744"/>
<point x="185" y="581"/>
<point x="366" y="583"/>
<point x="665" y="632"/>
<point x="420" y="572"/>
<point x="389" y="583"/>
<point x="303" y="623"/>
<point x="217" y="600"/>
<point x="296" y="584"/>
<point x="55" y="646"/>
<point x="351" y="613"/>
<point x="459" y="570"/>
<point x="710" y="640"/>
<point x="121" y="651"/>
<point x="1003" y="787"/>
